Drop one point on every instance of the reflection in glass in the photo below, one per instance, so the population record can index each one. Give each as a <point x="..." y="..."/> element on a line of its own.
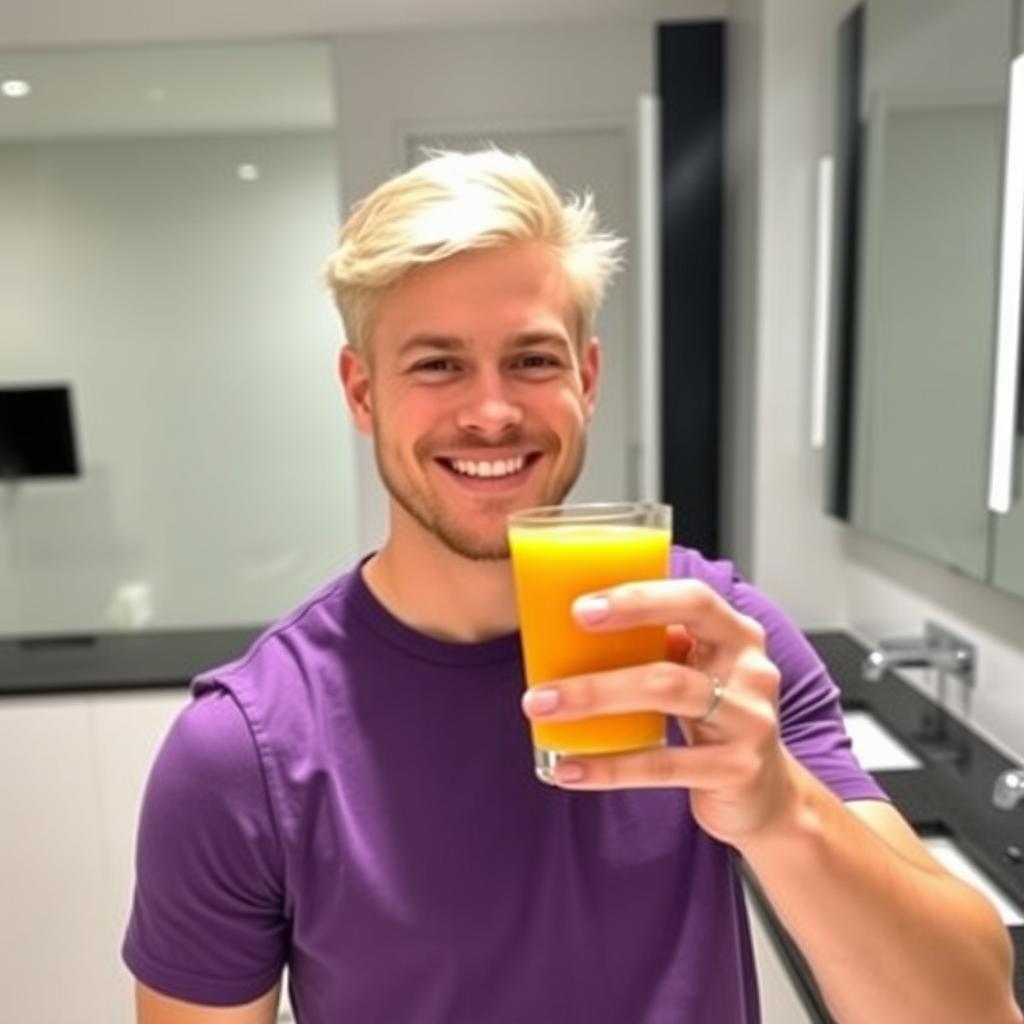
<point x="164" y="216"/>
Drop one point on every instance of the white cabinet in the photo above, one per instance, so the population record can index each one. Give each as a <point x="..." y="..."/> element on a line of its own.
<point x="71" y="776"/>
<point x="72" y="773"/>
<point x="52" y="877"/>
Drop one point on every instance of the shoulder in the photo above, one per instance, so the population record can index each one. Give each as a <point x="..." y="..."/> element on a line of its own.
<point x="207" y="776"/>
<point x="209" y="740"/>
<point x="281" y="682"/>
<point x="318" y="623"/>
<point x="688" y="563"/>
<point x="786" y="644"/>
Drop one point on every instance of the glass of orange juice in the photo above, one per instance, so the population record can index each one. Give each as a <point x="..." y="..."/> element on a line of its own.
<point x="559" y="553"/>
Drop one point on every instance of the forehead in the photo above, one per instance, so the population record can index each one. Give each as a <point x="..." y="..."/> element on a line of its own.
<point x="478" y="296"/>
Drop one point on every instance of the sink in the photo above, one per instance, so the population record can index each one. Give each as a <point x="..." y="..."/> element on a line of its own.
<point x="874" y="745"/>
<point x="945" y="850"/>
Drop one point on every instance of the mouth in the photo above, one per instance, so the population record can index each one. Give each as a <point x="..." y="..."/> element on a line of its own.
<point x="490" y="474"/>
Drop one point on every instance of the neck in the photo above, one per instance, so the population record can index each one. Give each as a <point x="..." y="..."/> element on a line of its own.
<point x="431" y="589"/>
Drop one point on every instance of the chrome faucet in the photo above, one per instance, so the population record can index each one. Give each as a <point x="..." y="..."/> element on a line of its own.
<point x="1009" y="789"/>
<point x="938" y="649"/>
<point x="949" y="657"/>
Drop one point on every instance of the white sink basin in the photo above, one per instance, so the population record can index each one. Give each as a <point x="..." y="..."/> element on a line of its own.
<point x="875" y="747"/>
<point x="946" y="851"/>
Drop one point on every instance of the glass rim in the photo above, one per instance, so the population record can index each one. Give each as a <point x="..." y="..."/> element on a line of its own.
<point x="585" y="512"/>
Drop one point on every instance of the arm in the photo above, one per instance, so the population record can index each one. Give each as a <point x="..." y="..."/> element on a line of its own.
<point x="207" y="923"/>
<point x="151" y="1007"/>
<point x="888" y="933"/>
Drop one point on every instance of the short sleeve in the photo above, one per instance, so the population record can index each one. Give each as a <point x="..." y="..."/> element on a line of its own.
<point x="207" y="923"/>
<point x="810" y="712"/>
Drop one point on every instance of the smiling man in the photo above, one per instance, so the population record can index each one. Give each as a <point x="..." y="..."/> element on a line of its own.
<point x="494" y="327"/>
<point x="354" y="798"/>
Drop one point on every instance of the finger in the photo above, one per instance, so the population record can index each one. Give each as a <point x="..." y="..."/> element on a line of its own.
<point x="660" y="768"/>
<point x="679" y="643"/>
<point x="665" y="686"/>
<point x="705" y="615"/>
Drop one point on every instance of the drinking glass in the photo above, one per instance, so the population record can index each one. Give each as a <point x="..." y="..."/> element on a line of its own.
<point x="559" y="553"/>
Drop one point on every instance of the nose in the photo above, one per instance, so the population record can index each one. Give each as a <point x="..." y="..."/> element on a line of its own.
<point x="489" y="409"/>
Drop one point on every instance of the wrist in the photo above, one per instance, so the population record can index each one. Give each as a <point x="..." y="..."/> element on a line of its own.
<point x="793" y="817"/>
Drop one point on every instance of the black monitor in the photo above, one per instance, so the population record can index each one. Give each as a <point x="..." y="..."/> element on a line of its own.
<point x="37" y="437"/>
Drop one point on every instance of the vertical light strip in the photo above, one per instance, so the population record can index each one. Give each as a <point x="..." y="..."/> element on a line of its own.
<point x="822" y="304"/>
<point x="649" y="285"/>
<point x="1011" y="263"/>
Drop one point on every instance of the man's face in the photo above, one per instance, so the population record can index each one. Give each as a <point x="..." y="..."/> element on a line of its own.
<point x="477" y="396"/>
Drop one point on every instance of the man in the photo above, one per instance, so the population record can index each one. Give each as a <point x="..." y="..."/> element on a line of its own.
<point x="354" y="797"/>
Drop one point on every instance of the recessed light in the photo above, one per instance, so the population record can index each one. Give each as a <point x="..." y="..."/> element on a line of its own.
<point x="15" y="88"/>
<point x="248" y="172"/>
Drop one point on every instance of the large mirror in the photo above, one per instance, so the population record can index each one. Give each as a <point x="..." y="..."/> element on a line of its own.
<point x="164" y="212"/>
<point x="934" y="78"/>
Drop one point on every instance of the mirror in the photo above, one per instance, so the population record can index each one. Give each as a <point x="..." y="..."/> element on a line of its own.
<point x="164" y="212"/>
<point x="933" y="111"/>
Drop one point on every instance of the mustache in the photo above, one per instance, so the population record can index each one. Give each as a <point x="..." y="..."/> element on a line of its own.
<point x="515" y="438"/>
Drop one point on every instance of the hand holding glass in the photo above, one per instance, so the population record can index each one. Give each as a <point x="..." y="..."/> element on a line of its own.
<point x="560" y="553"/>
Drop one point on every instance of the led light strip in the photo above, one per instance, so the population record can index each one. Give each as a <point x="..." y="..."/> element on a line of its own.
<point x="822" y="304"/>
<point x="649" y="284"/>
<point x="1011" y="264"/>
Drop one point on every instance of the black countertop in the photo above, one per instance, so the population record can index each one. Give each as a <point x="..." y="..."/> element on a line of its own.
<point x="950" y="795"/>
<point x="34" y="666"/>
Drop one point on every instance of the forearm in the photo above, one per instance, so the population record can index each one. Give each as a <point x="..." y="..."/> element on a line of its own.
<point x="887" y="936"/>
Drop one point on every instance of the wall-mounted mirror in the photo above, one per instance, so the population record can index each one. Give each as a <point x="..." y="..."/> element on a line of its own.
<point x="932" y="117"/>
<point x="164" y="215"/>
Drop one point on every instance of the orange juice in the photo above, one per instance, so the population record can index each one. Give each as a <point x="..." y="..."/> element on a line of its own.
<point x="557" y="563"/>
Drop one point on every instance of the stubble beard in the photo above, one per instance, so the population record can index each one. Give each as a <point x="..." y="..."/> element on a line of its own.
<point x="427" y="510"/>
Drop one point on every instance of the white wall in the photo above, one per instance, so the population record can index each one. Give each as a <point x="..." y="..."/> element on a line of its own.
<point x="777" y="71"/>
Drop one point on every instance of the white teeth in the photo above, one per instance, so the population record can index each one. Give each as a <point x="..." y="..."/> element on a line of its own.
<point x="502" y="467"/>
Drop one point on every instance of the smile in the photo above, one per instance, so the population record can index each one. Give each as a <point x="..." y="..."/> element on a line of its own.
<point x="489" y="469"/>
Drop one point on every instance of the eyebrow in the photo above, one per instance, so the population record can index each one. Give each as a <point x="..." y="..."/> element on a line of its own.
<point x="452" y="343"/>
<point x="437" y="342"/>
<point x="532" y="338"/>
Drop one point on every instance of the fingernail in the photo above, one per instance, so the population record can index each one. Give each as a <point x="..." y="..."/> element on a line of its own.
<point x="593" y="609"/>
<point x="568" y="771"/>
<point x="540" y="701"/>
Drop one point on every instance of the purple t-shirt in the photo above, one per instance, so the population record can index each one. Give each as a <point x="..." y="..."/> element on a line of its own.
<point x="356" y="801"/>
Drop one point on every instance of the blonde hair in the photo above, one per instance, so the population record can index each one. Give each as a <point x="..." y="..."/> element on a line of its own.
<point x="455" y="202"/>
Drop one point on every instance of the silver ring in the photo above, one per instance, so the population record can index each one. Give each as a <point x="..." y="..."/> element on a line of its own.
<point x="717" y="693"/>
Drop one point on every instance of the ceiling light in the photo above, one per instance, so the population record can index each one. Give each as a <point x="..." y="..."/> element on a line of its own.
<point x="248" y="172"/>
<point x="15" y="88"/>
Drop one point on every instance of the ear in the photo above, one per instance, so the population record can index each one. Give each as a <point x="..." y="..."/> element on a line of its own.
<point x="355" y="381"/>
<point x="590" y="373"/>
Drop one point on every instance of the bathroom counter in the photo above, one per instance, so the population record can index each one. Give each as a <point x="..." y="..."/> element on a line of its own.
<point x="36" y="666"/>
<point x="950" y="795"/>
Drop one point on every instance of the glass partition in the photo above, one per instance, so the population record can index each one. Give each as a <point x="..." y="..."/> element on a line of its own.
<point x="165" y="213"/>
